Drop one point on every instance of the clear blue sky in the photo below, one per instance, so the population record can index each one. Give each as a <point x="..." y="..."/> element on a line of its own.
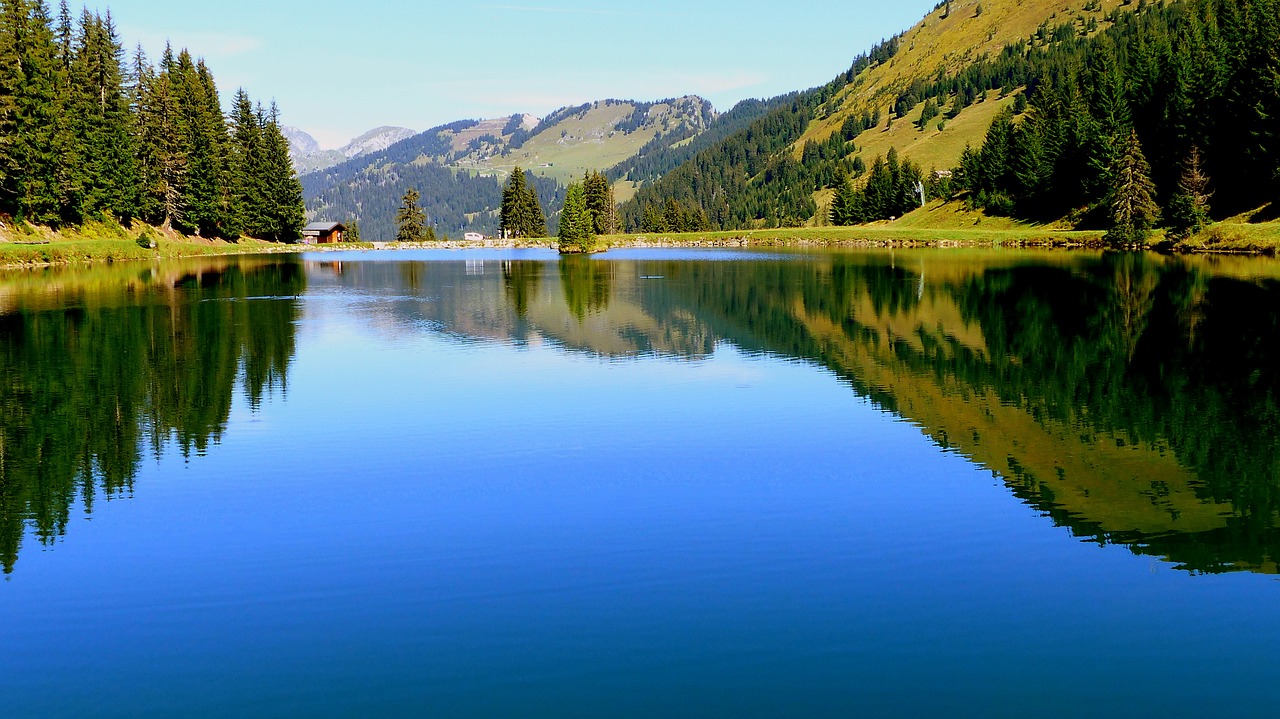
<point x="340" y="68"/>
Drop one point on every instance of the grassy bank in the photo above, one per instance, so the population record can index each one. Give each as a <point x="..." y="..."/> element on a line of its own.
<point x="41" y="248"/>
<point x="1261" y="238"/>
<point x="882" y="235"/>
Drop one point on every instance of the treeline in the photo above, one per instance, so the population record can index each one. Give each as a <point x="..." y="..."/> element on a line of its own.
<point x="87" y="135"/>
<point x="892" y="189"/>
<point x="589" y="210"/>
<point x="747" y="177"/>
<point x="1194" y="82"/>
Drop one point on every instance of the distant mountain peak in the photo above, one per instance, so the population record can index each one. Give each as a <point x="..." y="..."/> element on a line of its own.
<point x="301" y="143"/>
<point x="376" y="140"/>
<point x="307" y="156"/>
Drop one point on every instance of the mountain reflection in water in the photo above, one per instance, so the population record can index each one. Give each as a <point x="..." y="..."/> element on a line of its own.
<point x="1130" y="398"/>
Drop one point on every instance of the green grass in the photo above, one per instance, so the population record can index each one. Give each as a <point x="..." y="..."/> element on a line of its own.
<point x="1235" y="237"/>
<point x="39" y="247"/>
<point x="931" y="148"/>
<point x="871" y="235"/>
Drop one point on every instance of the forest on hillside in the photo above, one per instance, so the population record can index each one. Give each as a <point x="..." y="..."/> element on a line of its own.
<point x="89" y="134"/>
<point x="1178" y="92"/>
<point x="748" y="177"/>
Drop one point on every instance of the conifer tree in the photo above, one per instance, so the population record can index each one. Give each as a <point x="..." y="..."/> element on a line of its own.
<point x="10" y="82"/>
<point x="535" y="218"/>
<point x="847" y="205"/>
<point x="1133" y="206"/>
<point x="165" y="135"/>
<point x="577" y="226"/>
<point x="1188" y="211"/>
<point x="84" y="136"/>
<point x="203" y="138"/>
<point x="248" y="167"/>
<point x="37" y="187"/>
<point x="521" y="213"/>
<point x="599" y="197"/>
<point x="284" y="211"/>
<point x="411" y="221"/>
<point x="512" y="221"/>
<point x="145" y="138"/>
<point x="109" y="165"/>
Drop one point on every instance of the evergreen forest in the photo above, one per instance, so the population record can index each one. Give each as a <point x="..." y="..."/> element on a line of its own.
<point x="91" y="133"/>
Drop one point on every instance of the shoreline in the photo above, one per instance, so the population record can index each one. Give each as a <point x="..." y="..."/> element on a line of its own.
<point x="58" y="252"/>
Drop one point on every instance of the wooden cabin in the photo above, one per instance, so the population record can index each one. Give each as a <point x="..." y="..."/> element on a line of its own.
<point x="323" y="233"/>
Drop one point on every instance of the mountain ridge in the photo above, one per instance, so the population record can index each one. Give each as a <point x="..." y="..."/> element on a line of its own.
<point x="459" y="167"/>
<point x="308" y="156"/>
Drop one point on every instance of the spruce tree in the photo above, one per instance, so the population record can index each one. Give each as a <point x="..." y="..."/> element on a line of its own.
<point x="105" y="131"/>
<point x="521" y="213"/>
<point x="411" y="221"/>
<point x="165" y="137"/>
<point x="844" y="204"/>
<point x="1133" y="207"/>
<point x="38" y="187"/>
<point x="535" y="218"/>
<point x="248" y="167"/>
<point x="204" y="196"/>
<point x="146" y="139"/>
<point x="599" y="196"/>
<point x="1188" y="211"/>
<point x="577" y="226"/>
<point x="512" y="221"/>
<point x="10" y="83"/>
<point x="284" y="213"/>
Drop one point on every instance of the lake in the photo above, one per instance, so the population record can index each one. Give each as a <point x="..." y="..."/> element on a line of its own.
<point x="649" y="483"/>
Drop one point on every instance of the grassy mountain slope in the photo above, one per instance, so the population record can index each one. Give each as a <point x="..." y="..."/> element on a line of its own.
<point x="601" y="136"/>
<point x="767" y="174"/>
<point x="947" y="43"/>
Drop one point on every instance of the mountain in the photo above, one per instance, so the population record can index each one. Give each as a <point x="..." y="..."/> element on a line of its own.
<point x="307" y="155"/>
<point x="1092" y="114"/>
<point x="459" y="168"/>
<point x="775" y="171"/>
<point x="300" y="143"/>
<point x="375" y="140"/>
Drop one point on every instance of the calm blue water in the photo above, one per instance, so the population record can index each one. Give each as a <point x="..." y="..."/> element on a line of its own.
<point x="646" y="484"/>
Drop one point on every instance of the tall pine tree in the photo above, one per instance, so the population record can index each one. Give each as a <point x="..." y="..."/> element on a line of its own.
<point x="599" y="197"/>
<point x="411" y="221"/>
<point x="577" y="226"/>
<point x="1133" y="206"/>
<point x="284" y="210"/>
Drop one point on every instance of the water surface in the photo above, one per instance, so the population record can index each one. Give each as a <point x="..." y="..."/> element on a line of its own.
<point x="686" y="483"/>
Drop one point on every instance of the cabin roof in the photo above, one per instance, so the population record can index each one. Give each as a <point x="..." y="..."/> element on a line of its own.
<point x="323" y="227"/>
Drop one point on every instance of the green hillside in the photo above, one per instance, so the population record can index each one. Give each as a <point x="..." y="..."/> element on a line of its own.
<point x="593" y="138"/>
<point x="1148" y="123"/>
